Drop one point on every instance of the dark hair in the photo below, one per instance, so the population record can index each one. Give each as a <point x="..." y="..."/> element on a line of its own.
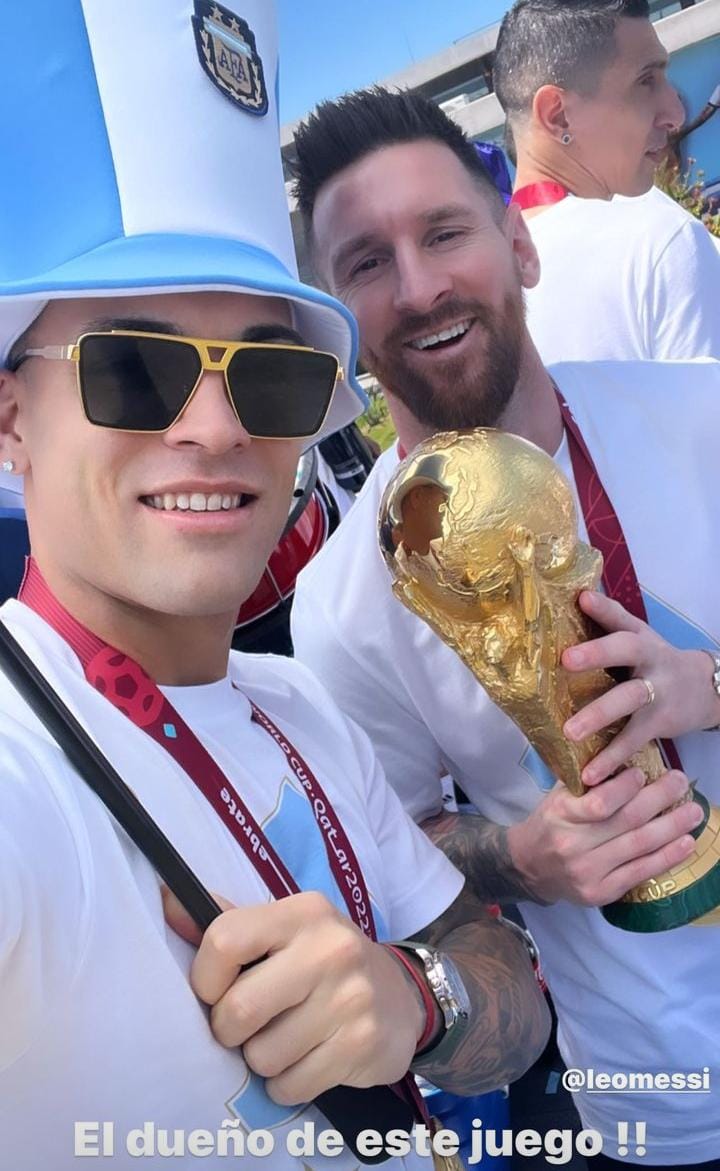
<point x="556" y="42"/>
<point x="338" y="134"/>
<point x="17" y="349"/>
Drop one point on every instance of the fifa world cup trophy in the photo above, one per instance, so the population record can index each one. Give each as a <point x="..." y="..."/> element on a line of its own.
<point x="479" y="531"/>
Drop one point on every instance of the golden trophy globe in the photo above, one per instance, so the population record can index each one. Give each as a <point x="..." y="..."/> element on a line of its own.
<point x="479" y="531"/>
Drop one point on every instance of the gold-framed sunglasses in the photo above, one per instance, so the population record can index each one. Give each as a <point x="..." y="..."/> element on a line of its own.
<point x="130" y="380"/>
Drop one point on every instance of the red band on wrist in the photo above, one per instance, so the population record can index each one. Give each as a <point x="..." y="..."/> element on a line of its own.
<point x="432" y="1011"/>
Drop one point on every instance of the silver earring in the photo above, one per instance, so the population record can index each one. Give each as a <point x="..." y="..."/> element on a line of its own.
<point x="566" y="139"/>
<point x="8" y="465"/>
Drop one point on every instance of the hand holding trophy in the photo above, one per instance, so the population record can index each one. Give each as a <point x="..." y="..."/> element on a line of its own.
<point x="479" y="530"/>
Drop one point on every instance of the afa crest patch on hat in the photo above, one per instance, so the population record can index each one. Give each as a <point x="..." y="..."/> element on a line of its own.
<point x="228" y="54"/>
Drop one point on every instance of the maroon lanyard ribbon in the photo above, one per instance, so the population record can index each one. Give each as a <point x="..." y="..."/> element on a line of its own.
<point x="126" y="685"/>
<point x="606" y="534"/>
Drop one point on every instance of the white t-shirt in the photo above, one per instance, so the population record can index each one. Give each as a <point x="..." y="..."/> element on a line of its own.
<point x="625" y="1002"/>
<point x="624" y="278"/>
<point x="97" y="1019"/>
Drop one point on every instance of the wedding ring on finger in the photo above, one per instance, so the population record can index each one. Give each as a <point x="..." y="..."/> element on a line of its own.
<point x="650" y="692"/>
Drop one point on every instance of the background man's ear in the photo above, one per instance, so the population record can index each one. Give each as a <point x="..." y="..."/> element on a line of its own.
<point x="11" y="442"/>
<point x="521" y="242"/>
<point x="549" y="111"/>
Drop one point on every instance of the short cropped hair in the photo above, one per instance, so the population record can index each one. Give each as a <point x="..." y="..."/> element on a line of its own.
<point x="556" y="42"/>
<point x="18" y="348"/>
<point x="340" y="133"/>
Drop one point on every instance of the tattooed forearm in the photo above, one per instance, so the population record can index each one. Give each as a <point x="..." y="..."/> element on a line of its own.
<point x="509" y="1019"/>
<point x="479" y="848"/>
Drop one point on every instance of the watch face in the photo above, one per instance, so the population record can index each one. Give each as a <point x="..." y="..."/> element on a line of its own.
<point x="445" y="983"/>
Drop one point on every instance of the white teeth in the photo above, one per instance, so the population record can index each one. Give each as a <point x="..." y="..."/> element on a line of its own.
<point x="194" y="502"/>
<point x="445" y="335"/>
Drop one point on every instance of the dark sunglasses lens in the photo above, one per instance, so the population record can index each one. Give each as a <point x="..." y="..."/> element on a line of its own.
<point x="136" y="383"/>
<point x="281" y="393"/>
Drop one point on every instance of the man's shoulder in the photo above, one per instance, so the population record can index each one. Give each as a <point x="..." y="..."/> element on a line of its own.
<point x="288" y="692"/>
<point x="651" y="219"/>
<point x="41" y="800"/>
<point x="655" y="207"/>
<point x="640" y="417"/>
<point x="18" y="724"/>
<point x="665" y="387"/>
<point x="660" y="222"/>
<point x="265" y="677"/>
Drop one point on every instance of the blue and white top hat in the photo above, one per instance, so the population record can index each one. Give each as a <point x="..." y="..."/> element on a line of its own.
<point x="140" y="152"/>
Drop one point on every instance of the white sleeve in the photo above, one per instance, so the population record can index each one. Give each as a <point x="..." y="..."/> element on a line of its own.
<point x="41" y="903"/>
<point x="684" y="309"/>
<point x="419" y="882"/>
<point x="18" y="974"/>
<point x="374" y="694"/>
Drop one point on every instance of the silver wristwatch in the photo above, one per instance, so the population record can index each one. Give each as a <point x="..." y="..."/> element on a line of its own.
<point x="715" y="679"/>
<point x="450" y="995"/>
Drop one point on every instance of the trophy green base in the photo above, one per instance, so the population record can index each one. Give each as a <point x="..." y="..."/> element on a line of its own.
<point x="680" y="896"/>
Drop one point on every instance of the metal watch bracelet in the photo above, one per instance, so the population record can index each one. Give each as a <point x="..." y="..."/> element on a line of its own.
<point x="449" y="993"/>
<point x="715" y="657"/>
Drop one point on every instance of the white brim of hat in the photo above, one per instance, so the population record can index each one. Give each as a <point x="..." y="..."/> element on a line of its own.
<point x="168" y="263"/>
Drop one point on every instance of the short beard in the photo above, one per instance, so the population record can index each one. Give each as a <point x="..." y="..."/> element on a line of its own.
<point x="467" y="393"/>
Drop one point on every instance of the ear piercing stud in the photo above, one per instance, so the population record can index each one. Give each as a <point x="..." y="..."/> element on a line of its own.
<point x="8" y="465"/>
<point x="566" y="139"/>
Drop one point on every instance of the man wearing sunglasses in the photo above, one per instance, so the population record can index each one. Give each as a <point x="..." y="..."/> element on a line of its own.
<point x="140" y="380"/>
<point x="161" y="369"/>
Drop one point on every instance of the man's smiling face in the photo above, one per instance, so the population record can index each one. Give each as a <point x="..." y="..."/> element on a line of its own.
<point x="412" y="244"/>
<point x="180" y="523"/>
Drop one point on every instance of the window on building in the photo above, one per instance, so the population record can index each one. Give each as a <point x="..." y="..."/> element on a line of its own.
<point x="462" y="86"/>
<point x="463" y="94"/>
<point x="662" y="8"/>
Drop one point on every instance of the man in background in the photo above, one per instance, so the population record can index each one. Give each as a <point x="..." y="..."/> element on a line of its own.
<point x="584" y="87"/>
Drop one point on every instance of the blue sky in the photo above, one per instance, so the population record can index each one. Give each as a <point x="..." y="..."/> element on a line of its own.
<point x="330" y="46"/>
